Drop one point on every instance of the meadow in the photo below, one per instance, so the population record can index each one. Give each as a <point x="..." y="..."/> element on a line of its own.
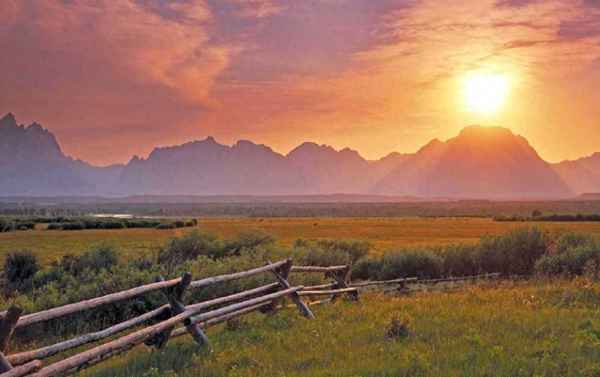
<point x="542" y="329"/>
<point x="382" y="233"/>
<point x="545" y="323"/>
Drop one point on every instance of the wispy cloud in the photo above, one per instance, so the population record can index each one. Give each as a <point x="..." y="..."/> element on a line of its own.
<point x="280" y="71"/>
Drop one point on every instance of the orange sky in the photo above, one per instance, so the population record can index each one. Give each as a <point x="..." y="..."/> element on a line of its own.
<point x="115" y="78"/>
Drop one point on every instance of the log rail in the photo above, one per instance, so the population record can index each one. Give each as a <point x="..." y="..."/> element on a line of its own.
<point x="181" y="319"/>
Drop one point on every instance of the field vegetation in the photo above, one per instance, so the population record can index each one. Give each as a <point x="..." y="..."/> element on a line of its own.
<point x="508" y="329"/>
<point x="383" y="234"/>
<point x="549" y="298"/>
<point x="14" y="223"/>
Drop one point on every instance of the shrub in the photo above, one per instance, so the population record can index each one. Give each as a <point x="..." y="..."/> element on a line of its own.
<point x="248" y="240"/>
<point x="100" y="258"/>
<point x="19" y="269"/>
<point x="513" y="253"/>
<point x="569" y="240"/>
<point x="397" y="329"/>
<point x="460" y="260"/>
<point x="189" y="247"/>
<point x="330" y="252"/>
<point x="573" y="261"/>
<point x="423" y="264"/>
<point x="366" y="269"/>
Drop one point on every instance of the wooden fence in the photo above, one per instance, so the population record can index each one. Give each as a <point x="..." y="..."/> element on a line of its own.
<point x="192" y="319"/>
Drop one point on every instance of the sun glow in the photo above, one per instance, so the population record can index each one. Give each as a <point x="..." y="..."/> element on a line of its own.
<point x="485" y="93"/>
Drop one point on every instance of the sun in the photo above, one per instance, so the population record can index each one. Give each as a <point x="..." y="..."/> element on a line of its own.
<point x="485" y="93"/>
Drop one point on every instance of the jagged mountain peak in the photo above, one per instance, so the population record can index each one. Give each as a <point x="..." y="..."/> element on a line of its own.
<point x="312" y="149"/>
<point x="480" y="162"/>
<point x="478" y="131"/>
<point x="8" y="120"/>
<point x="434" y="144"/>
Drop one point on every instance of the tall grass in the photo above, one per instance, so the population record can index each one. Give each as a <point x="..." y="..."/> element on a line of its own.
<point x="510" y="330"/>
<point x="99" y="271"/>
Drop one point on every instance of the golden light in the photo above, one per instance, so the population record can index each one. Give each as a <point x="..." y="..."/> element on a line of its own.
<point x="485" y="93"/>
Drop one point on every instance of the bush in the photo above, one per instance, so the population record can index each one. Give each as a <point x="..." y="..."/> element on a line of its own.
<point x="572" y="261"/>
<point x="248" y="240"/>
<point x="189" y="247"/>
<point x="423" y="264"/>
<point x="397" y="329"/>
<point x="460" y="260"/>
<point x="329" y="252"/>
<point x="19" y="269"/>
<point x="514" y="253"/>
<point x="366" y="269"/>
<point x="99" y="258"/>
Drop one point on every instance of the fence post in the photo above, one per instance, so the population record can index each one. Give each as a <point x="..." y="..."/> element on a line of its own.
<point x="342" y="278"/>
<point x="175" y="298"/>
<point x="5" y="365"/>
<point x="7" y="327"/>
<point x="282" y="274"/>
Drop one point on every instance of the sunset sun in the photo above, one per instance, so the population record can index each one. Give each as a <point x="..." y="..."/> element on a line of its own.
<point x="485" y="93"/>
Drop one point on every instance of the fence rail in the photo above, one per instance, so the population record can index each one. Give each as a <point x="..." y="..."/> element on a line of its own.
<point x="192" y="319"/>
<point x="181" y="319"/>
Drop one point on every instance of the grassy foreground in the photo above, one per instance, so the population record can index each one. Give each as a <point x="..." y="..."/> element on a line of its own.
<point x="381" y="233"/>
<point x="496" y="329"/>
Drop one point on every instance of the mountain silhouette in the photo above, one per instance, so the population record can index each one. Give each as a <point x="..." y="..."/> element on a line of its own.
<point x="481" y="162"/>
<point x="583" y="174"/>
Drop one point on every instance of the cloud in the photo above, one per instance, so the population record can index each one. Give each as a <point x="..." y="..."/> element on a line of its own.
<point x="275" y="71"/>
<point x="167" y="46"/>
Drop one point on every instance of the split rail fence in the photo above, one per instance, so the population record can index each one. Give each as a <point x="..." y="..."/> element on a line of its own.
<point x="181" y="319"/>
<point x="195" y="318"/>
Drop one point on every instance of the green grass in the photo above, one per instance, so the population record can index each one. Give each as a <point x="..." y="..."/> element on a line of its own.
<point x="513" y="329"/>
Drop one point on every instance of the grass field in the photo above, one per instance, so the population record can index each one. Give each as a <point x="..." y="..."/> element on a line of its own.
<point x="505" y="328"/>
<point x="512" y="330"/>
<point x="382" y="233"/>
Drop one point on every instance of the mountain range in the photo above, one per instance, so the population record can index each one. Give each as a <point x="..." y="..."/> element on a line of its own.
<point x="479" y="163"/>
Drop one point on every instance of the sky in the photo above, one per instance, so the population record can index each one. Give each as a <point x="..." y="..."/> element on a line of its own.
<point x="116" y="78"/>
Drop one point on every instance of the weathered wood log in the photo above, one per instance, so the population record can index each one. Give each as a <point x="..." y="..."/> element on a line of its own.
<point x="460" y="278"/>
<point x="321" y="286"/>
<point x="342" y="277"/>
<point x="328" y="292"/>
<point x="48" y="351"/>
<point x="7" y="327"/>
<point x="124" y="343"/>
<point x="23" y="370"/>
<point x="383" y="282"/>
<point x="64" y="310"/>
<point x="212" y="322"/>
<point x="318" y="268"/>
<point x="234" y="297"/>
<point x="282" y="276"/>
<point x="177" y="307"/>
<point x="94" y="302"/>
<point x="312" y="303"/>
<point x="238" y="275"/>
<point x="5" y="365"/>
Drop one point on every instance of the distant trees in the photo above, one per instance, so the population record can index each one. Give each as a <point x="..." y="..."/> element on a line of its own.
<point x="81" y="223"/>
